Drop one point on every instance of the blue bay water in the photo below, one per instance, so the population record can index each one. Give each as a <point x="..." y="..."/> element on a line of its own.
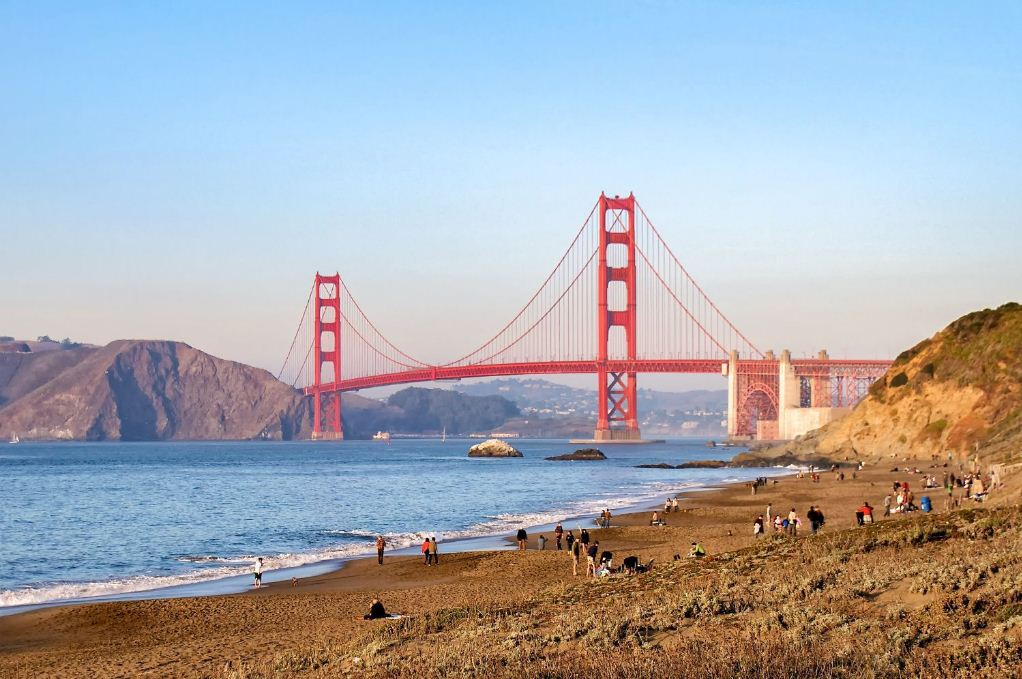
<point x="98" y="519"/>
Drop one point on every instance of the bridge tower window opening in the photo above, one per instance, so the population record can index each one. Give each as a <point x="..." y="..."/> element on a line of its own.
<point x="805" y="392"/>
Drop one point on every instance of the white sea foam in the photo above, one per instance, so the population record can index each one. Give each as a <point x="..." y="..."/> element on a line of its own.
<point x="228" y="566"/>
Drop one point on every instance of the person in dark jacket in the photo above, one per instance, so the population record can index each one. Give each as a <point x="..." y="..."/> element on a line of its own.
<point x="523" y="539"/>
<point x="376" y="611"/>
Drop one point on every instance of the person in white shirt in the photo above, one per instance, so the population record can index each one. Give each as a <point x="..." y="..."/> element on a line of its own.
<point x="257" y="572"/>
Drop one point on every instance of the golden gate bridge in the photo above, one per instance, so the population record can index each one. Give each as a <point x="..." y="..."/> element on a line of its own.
<point x="617" y="303"/>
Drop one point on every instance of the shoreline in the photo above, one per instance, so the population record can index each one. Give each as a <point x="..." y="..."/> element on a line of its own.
<point x="200" y="636"/>
<point x="240" y="583"/>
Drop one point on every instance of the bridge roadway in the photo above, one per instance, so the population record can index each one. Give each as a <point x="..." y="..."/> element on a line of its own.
<point x="711" y="366"/>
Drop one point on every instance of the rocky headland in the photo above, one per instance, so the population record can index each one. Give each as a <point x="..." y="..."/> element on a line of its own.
<point x="957" y="394"/>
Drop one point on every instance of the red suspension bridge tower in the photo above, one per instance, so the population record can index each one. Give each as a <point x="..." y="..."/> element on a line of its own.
<point x="327" y="345"/>
<point x="617" y="417"/>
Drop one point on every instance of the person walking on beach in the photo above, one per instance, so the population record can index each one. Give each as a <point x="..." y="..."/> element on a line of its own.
<point x="570" y="539"/>
<point x="770" y="512"/>
<point x="381" y="544"/>
<point x="887" y="505"/>
<point x="591" y="553"/>
<point x="257" y="573"/>
<point x="542" y="542"/>
<point x="584" y="538"/>
<point x="558" y="534"/>
<point x="815" y="517"/>
<point x="575" y="548"/>
<point x="425" y="552"/>
<point x="433" y="554"/>
<point x="523" y="539"/>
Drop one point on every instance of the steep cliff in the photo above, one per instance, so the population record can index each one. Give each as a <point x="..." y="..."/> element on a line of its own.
<point x="958" y="393"/>
<point x="153" y="390"/>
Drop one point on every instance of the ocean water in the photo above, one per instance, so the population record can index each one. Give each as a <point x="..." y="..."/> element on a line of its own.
<point x="81" y="520"/>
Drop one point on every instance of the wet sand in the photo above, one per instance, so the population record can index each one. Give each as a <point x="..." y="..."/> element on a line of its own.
<point x="201" y="636"/>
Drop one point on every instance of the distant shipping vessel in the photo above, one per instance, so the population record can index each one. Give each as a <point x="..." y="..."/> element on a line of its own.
<point x="381" y="436"/>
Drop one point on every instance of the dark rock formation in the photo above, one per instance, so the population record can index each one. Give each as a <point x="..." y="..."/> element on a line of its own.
<point x="586" y="454"/>
<point x="694" y="464"/>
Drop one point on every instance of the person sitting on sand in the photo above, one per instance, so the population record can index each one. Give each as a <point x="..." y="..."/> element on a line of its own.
<point x="697" y="551"/>
<point x="376" y="611"/>
<point x="630" y="565"/>
<point x="757" y="526"/>
<point x="655" y="520"/>
<point x="606" y="559"/>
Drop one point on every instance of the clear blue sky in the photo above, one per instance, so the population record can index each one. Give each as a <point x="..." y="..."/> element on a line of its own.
<point x="840" y="175"/>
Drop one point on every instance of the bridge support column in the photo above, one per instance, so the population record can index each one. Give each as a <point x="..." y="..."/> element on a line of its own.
<point x="617" y="411"/>
<point x="732" y="393"/>
<point x="327" y="349"/>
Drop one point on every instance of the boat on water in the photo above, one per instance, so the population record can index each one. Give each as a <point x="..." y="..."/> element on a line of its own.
<point x="443" y="437"/>
<point x="14" y="438"/>
<point x="381" y="436"/>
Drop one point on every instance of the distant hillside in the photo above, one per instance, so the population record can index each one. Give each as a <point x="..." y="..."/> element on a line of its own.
<point x="429" y="411"/>
<point x="543" y="394"/>
<point x="959" y="392"/>
<point x="147" y="390"/>
<point x="22" y="372"/>
<point x="139" y="390"/>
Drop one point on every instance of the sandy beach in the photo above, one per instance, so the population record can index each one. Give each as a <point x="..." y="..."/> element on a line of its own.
<point x="209" y="635"/>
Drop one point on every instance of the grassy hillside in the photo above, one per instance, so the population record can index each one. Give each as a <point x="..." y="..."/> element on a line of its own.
<point x="957" y="393"/>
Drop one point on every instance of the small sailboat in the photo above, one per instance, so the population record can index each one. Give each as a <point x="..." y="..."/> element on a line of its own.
<point x="14" y="438"/>
<point x="443" y="437"/>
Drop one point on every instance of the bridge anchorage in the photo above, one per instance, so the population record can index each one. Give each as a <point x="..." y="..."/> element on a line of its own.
<point x="618" y="303"/>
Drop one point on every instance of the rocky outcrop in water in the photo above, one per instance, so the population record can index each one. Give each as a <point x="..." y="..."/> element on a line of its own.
<point x="493" y="448"/>
<point x="583" y="455"/>
<point x="694" y="464"/>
